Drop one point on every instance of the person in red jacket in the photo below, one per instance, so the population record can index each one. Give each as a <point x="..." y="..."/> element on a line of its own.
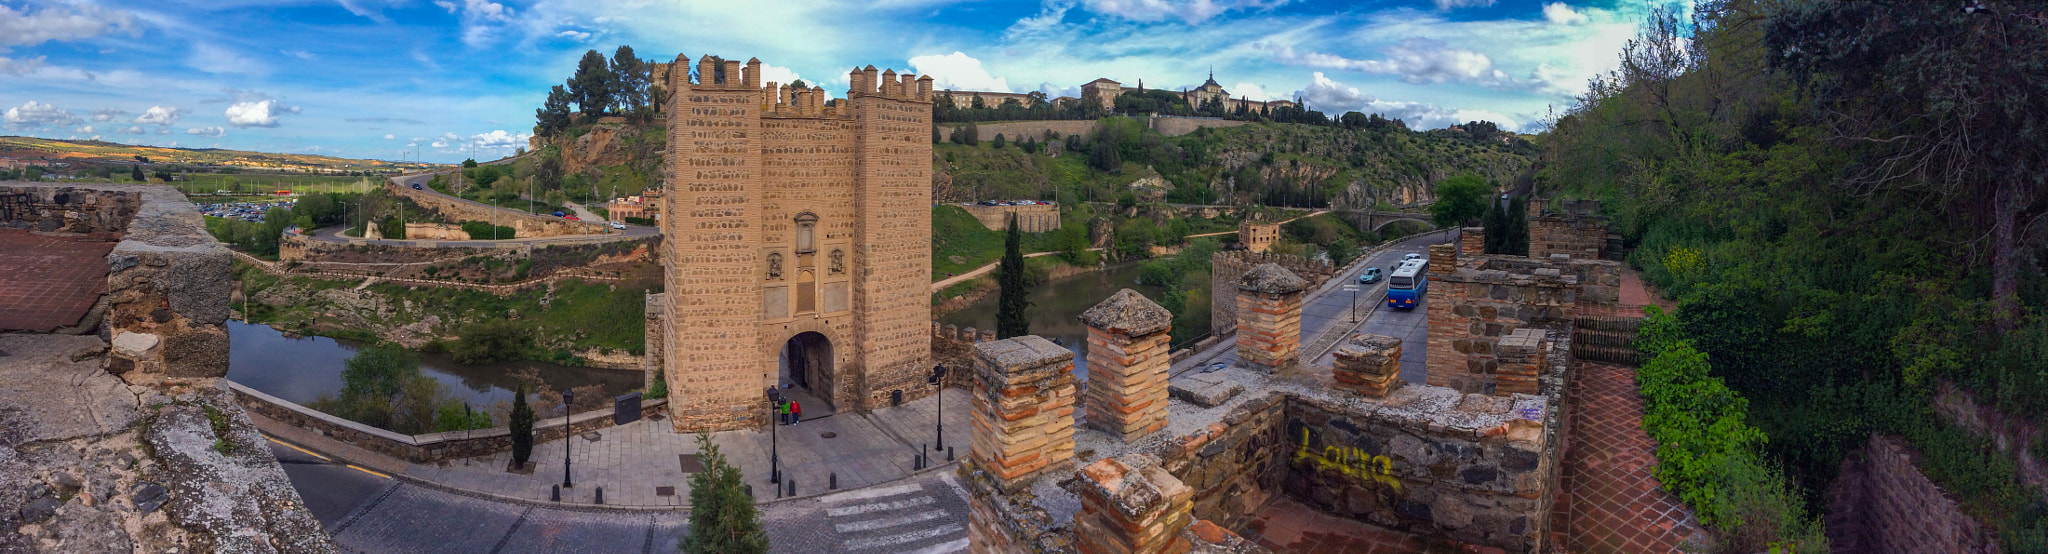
<point x="796" y="412"/>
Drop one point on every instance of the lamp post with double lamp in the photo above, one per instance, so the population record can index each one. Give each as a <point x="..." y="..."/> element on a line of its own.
<point x="937" y="380"/>
<point x="568" y="400"/>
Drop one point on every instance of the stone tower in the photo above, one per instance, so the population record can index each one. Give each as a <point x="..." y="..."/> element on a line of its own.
<point x="797" y="242"/>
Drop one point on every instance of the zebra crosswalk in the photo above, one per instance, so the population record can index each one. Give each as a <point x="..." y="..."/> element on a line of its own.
<point x="908" y="518"/>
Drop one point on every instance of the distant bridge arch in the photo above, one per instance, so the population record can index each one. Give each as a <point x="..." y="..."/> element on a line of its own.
<point x="1376" y="220"/>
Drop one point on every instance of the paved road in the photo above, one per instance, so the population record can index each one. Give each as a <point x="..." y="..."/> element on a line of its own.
<point x="332" y="234"/>
<point x="926" y="514"/>
<point x="1334" y="308"/>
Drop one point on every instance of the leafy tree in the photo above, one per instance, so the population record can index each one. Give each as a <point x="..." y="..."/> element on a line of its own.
<point x="489" y="341"/>
<point x="998" y="143"/>
<point x="382" y="386"/>
<point x="1947" y="99"/>
<point x="723" y="519"/>
<point x="521" y="427"/>
<point x="134" y="174"/>
<point x="469" y="163"/>
<point x="799" y="83"/>
<point x="936" y="138"/>
<point x="1460" y="200"/>
<point x="553" y="115"/>
<point x="392" y="228"/>
<point x="1010" y="318"/>
<point x="629" y="80"/>
<point x="1104" y="156"/>
<point x="591" y="87"/>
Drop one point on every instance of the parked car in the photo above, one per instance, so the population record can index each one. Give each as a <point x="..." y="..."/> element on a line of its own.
<point x="559" y="214"/>
<point x="572" y="218"/>
<point x="617" y="225"/>
<point x="416" y="186"/>
<point x="1411" y="257"/>
<point x="1371" y="275"/>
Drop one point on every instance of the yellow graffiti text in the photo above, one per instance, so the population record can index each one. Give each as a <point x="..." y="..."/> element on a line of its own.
<point x="1351" y="462"/>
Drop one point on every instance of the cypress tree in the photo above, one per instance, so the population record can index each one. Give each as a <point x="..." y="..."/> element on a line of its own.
<point x="135" y="174"/>
<point x="522" y="427"/>
<point x="723" y="519"/>
<point x="1517" y="223"/>
<point x="1010" y="320"/>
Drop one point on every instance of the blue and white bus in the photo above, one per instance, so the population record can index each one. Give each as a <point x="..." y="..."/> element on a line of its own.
<point x="1409" y="282"/>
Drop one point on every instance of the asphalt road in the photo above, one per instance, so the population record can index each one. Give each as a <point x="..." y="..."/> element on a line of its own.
<point x="331" y="234"/>
<point x="367" y="512"/>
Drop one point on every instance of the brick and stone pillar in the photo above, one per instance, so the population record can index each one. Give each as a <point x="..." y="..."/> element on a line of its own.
<point x="1443" y="259"/>
<point x="1369" y="365"/>
<point x="1023" y="409"/>
<point x="1023" y="429"/>
<point x="1269" y="317"/>
<point x="1521" y="358"/>
<point x="1471" y="241"/>
<point x="1131" y="506"/>
<point x="1128" y="359"/>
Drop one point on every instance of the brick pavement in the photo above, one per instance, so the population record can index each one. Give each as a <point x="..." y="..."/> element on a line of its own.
<point x="1284" y="525"/>
<point x="1610" y="501"/>
<point x="48" y="282"/>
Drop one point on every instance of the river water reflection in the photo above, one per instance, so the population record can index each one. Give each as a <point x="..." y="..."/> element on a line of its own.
<point x="1056" y="305"/>
<point x="303" y="369"/>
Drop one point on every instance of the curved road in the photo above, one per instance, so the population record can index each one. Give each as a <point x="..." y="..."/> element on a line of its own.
<point x="331" y="234"/>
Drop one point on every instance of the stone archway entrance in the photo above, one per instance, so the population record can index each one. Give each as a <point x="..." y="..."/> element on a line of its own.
<point x="806" y="366"/>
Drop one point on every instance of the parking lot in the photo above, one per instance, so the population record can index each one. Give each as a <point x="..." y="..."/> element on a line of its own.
<point x="246" y="211"/>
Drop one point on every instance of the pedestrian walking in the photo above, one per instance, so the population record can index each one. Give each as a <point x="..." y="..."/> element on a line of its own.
<point x="782" y="411"/>
<point x="796" y="412"/>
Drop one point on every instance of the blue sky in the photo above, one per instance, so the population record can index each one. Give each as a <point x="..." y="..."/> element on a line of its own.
<point x="430" y="79"/>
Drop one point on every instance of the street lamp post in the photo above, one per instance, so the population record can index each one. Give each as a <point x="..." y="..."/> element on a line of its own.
<point x="1354" y="301"/>
<point x="568" y="400"/>
<point x="774" y="454"/>
<point x="938" y="380"/>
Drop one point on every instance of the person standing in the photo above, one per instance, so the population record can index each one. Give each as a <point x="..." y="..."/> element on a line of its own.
<point x="782" y="412"/>
<point x="796" y="412"/>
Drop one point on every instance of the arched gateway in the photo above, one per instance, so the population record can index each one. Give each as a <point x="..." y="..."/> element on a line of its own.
<point x="796" y="242"/>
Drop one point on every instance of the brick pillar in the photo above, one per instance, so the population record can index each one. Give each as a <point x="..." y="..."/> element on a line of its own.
<point x="1369" y="365"/>
<point x="1269" y="317"/>
<point x="1521" y="358"/>
<point x="1023" y="409"/>
<point x="1131" y="506"/>
<point x="1127" y="365"/>
<point x="1443" y="258"/>
<point x="1471" y="241"/>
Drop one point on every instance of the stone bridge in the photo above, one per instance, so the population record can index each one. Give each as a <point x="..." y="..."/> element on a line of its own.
<point x="1375" y="220"/>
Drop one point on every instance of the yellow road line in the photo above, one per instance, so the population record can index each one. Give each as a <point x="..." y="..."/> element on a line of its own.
<point x="360" y="468"/>
<point x="295" y="447"/>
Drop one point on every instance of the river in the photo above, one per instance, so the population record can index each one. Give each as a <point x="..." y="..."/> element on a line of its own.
<point x="1056" y="306"/>
<point x="303" y="369"/>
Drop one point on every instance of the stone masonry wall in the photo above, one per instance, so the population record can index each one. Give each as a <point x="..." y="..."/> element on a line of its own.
<point x="1578" y="231"/>
<point x="1269" y="311"/>
<point x="1882" y="504"/>
<point x="67" y="209"/>
<point x="1127" y="360"/>
<point x="427" y="448"/>
<point x="1479" y="302"/>
<point x="1226" y="267"/>
<point x="527" y="225"/>
<point x="167" y="290"/>
<point x="1036" y="218"/>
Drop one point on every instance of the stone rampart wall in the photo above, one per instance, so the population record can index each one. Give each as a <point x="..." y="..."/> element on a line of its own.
<point x="528" y="225"/>
<point x="66" y="209"/>
<point x="1174" y="126"/>
<point x="426" y="448"/>
<point x="1881" y="503"/>
<point x="167" y="291"/>
<point x="1474" y="307"/>
<point x="1578" y="230"/>
<point x="1226" y="267"/>
<point x="1037" y="218"/>
<point x="1019" y="130"/>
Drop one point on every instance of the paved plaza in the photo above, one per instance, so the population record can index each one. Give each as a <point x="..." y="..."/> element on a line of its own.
<point x="50" y="281"/>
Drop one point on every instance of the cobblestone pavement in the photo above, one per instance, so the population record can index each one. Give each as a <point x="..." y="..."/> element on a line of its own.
<point x="49" y="282"/>
<point x="926" y="514"/>
<point x="1611" y="502"/>
<point x="646" y="463"/>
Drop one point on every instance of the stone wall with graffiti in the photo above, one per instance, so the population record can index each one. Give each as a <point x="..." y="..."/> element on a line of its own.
<point x="1235" y="464"/>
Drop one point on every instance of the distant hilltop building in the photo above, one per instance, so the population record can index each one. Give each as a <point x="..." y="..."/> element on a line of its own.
<point x="1104" y="91"/>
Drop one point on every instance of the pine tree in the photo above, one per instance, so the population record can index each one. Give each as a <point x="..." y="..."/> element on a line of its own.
<point x="521" y="425"/>
<point x="723" y="519"/>
<point x="629" y="80"/>
<point x="553" y="115"/>
<point x="999" y="142"/>
<point x="591" y="86"/>
<point x="1010" y="320"/>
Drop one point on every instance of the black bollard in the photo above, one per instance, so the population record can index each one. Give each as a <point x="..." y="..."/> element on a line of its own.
<point x="792" y="488"/>
<point x="949" y="453"/>
<point x="600" y="496"/>
<point x="557" y="495"/>
<point x="834" y="483"/>
<point x="749" y="488"/>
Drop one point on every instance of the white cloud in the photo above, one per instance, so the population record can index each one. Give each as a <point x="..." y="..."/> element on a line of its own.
<point x="1250" y="91"/>
<point x="36" y="115"/>
<point x="1189" y="11"/>
<point x="85" y="129"/>
<point x="131" y="130"/>
<point x="958" y="71"/>
<point x="780" y="75"/>
<point x="108" y="114"/>
<point x="1455" y="4"/>
<point x="209" y="131"/>
<point x="481" y="19"/>
<point x="573" y="35"/>
<point x="60" y="23"/>
<point x="1415" y="60"/>
<point x="389" y="137"/>
<point x="258" y="113"/>
<point x="300" y="54"/>
<point x="215" y="59"/>
<point x="1055" y="91"/>
<point x="159" y="115"/>
<point x="1561" y="14"/>
<point x="24" y="66"/>
<point x="500" y="140"/>
<point x="1331" y="97"/>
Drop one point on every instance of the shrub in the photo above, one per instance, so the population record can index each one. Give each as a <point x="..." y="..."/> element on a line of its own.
<point x="480" y="230"/>
<point x="489" y="341"/>
<point x="521" y="426"/>
<point x="657" y="390"/>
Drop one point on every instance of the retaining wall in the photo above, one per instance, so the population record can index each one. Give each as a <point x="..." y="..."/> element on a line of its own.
<point x="426" y="448"/>
<point x="528" y="225"/>
<point x="1882" y="504"/>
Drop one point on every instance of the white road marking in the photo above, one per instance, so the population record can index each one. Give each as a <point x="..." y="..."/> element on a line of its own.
<point x="912" y="536"/>
<point x="942" y="548"/>
<point x="880" y="506"/>
<point x="955" y="483"/>
<point x="874" y="524"/>
<point x="872" y="492"/>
